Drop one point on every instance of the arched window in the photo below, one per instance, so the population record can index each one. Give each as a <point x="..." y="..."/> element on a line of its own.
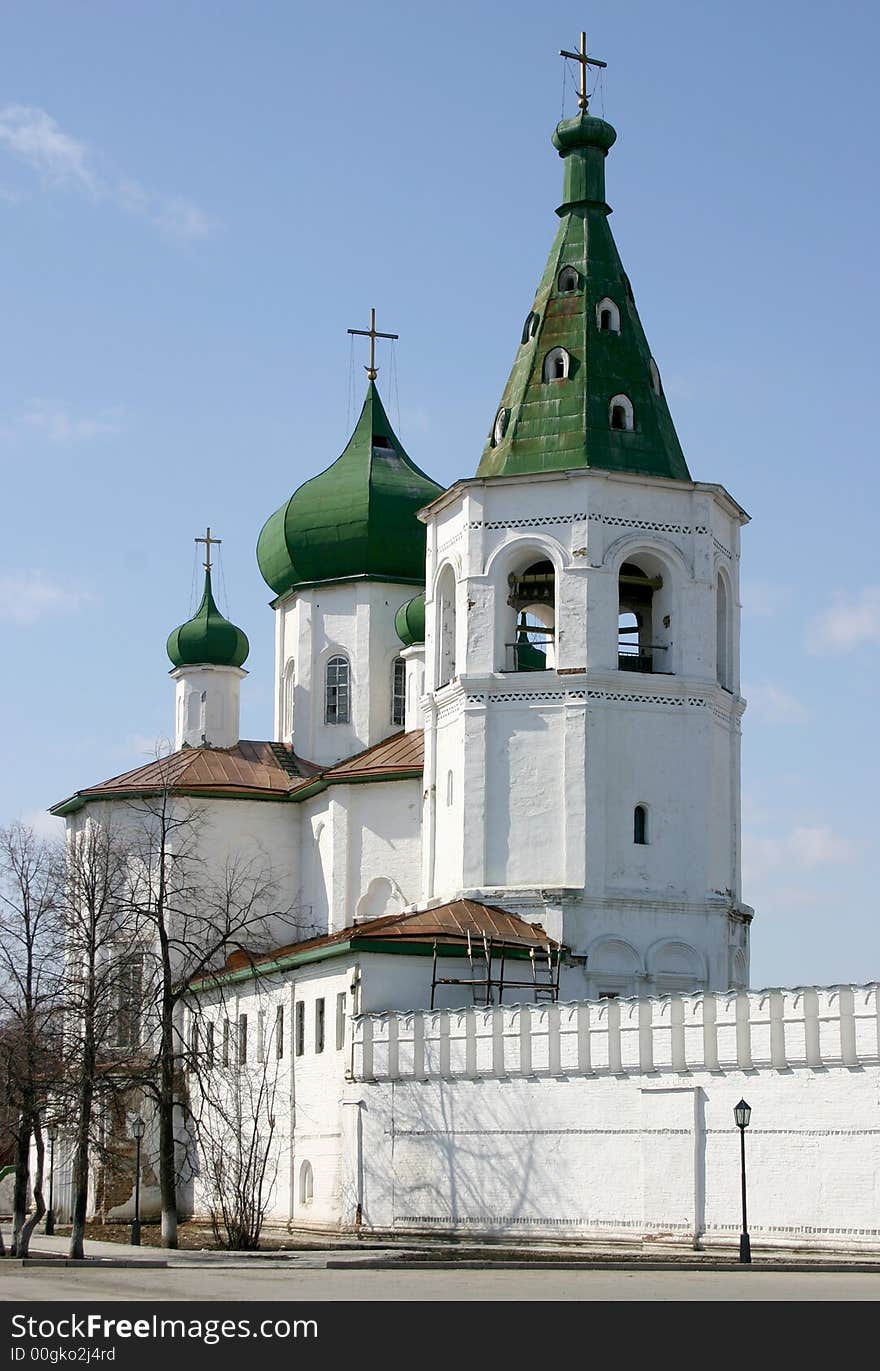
<point x="655" y="377"/>
<point x="530" y="327"/>
<point x="500" y="427"/>
<point x="640" y="825"/>
<point x="557" y="365"/>
<point x="445" y="627"/>
<point x="569" y="280"/>
<point x="306" y="1183"/>
<point x="608" y="316"/>
<point x="287" y="701"/>
<point x="337" y="693"/>
<point x="722" y="635"/>
<point x="530" y="646"/>
<point x="398" y="692"/>
<point x="450" y="787"/>
<point x="620" y="413"/>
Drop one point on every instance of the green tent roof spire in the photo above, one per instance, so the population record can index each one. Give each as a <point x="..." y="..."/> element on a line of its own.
<point x="207" y="638"/>
<point x="357" y="519"/>
<point x="584" y="390"/>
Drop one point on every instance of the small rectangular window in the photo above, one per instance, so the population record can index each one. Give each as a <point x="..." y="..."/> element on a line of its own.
<point x="279" y="1031"/>
<point x="319" y="1025"/>
<point x="193" y="1037"/>
<point x="242" y="1039"/>
<point x="261" y="1036"/>
<point x="300" y="1028"/>
<point x="340" y="1020"/>
<point x="227" y="1034"/>
<point x="209" y="1045"/>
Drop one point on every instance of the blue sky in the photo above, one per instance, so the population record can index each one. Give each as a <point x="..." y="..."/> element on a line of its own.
<point x="198" y="200"/>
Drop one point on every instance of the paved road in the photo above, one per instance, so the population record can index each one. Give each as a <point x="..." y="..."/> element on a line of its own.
<point x="248" y="1283"/>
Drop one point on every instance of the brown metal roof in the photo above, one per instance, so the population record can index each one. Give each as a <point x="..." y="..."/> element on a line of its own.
<point x="250" y="769"/>
<point x="447" y="923"/>
<point x="401" y="752"/>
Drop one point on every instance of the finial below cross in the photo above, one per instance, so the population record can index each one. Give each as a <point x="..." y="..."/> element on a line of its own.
<point x="209" y="543"/>
<point x="372" y="370"/>
<point x="585" y="62"/>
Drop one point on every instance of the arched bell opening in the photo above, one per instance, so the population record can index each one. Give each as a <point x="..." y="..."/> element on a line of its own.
<point x="531" y="643"/>
<point x="644" y="620"/>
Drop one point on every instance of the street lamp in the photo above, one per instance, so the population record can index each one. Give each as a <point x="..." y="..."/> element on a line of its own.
<point x="51" y="1134"/>
<point x="742" y="1113"/>
<point x="137" y="1132"/>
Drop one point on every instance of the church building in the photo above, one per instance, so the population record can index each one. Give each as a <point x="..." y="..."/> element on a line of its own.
<point x="501" y="795"/>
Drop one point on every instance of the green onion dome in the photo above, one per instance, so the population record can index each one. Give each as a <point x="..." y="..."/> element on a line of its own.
<point x="357" y="519"/>
<point x="207" y="638"/>
<point x="409" y="621"/>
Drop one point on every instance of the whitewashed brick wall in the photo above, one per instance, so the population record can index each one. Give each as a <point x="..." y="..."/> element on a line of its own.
<point x="614" y="1119"/>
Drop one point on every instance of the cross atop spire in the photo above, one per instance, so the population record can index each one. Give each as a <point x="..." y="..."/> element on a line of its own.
<point x="372" y="370"/>
<point x="585" y="61"/>
<point x="209" y="543"/>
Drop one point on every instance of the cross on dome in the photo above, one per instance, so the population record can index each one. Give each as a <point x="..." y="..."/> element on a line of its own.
<point x="209" y="543"/>
<point x="372" y="333"/>
<point x="585" y="61"/>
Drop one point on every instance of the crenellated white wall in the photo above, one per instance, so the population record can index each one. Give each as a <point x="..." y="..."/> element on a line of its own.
<point x="614" y="1121"/>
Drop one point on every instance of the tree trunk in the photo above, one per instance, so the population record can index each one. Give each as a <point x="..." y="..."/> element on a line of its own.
<point x="20" y="1191"/>
<point x="167" y="1151"/>
<point x="81" y="1164"/>
<point x="39" y="1203"/>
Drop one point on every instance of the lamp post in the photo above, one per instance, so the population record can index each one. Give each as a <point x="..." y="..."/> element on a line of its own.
<point x="742" y="1113"/>
<point x="137" y="1132"/>
<point x="51" y="1134"/>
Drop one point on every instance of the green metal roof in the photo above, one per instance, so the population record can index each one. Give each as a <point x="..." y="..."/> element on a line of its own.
<point x="556" y="425"/>
<point x="207" y="637"/>
<point x="409" y="621"/>
<point x="358" y="518"/>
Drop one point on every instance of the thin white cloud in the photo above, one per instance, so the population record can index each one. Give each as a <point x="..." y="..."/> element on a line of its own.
<point x="60" y="426"/>
<point x="773" y="705"/>
<point x="850" y="622"/>
<point x="26" y="596"/>
<point x="61" y="161"/>
<point x="805" y="847"/>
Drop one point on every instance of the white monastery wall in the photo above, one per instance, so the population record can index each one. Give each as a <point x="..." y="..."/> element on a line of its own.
<point x="615" y="1120"/>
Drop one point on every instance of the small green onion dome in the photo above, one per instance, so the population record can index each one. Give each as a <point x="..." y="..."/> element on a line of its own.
<point x="357" y="519"/>
<point x="207" y="638"/>
<point x="583" y="131"/>
<point x="409" y="621"/>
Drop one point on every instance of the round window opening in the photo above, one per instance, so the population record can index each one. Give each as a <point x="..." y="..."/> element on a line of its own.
<point x="500" y="428"/>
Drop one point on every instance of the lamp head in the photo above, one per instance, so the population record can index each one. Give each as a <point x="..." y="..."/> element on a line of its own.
<point x="742" y="1112"/>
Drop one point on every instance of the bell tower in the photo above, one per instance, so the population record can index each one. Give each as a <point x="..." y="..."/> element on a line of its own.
<point x="582" y="708"/>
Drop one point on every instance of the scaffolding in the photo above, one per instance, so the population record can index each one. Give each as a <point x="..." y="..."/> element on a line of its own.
<point x="487" y="961"/>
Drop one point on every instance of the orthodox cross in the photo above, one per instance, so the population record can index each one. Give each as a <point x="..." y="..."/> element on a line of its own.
<point x="585" y="62"/>
<point x="209" y="543"/>
<point x="371" y="333"/>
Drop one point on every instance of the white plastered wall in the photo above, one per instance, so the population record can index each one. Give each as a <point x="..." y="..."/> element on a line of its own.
<point x="547" y="767"/>
<point x="353" y="619"/>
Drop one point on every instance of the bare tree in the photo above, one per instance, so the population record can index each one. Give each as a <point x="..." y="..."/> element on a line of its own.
<point x="233" y="1089"/>
<point x="103" y="995"/>
<point x="192" y="912"/>
<point x="31" y="964"/>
